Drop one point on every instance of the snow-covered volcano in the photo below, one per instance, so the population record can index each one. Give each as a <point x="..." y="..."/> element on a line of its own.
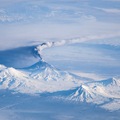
<point x="42" y="77"/>
<point x="104" y="93"/>
<point x="38" y="78"/>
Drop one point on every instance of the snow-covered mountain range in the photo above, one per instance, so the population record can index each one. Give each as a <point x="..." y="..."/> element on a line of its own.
<point x="42" y="77"/>
<point x="105" y="93"/>
<point x="38" y="78"/>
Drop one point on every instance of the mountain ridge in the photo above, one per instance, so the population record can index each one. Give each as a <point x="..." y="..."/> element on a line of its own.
<point x="42" y="78"/>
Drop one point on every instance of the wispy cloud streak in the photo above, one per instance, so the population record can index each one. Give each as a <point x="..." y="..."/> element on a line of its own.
<point x="110" y="10"/>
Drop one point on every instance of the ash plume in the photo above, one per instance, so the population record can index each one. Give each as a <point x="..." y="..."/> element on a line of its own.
<point x="41" y="47"/>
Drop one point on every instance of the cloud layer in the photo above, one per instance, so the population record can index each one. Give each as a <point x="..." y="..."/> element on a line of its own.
<point x="23" y="21"/>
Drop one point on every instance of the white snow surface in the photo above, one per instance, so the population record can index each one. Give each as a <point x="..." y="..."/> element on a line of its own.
<point x="105" y="93"/>
<point x="42" y="77"/>
<point x="2" y="67"/>
<point x="39" y="78"/>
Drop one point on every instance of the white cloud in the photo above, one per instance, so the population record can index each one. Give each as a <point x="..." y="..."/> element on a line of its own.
<point x="49" y="20"/>
<point x="20" y="34"/>
<point x="46" y="11"/>
<point x="52" y="14"/>
<point x="114" y="11"/>
<point x="112" y="42"/>
<point x="7" y="18"/>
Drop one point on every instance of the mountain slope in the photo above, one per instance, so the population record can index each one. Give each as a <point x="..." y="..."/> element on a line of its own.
<point x="103" y="93"/>
<point x="38" y="78"/>
<point x="42" y="77"/>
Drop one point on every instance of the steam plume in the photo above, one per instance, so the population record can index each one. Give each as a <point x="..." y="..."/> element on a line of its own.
<point x="45" y="45"/>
